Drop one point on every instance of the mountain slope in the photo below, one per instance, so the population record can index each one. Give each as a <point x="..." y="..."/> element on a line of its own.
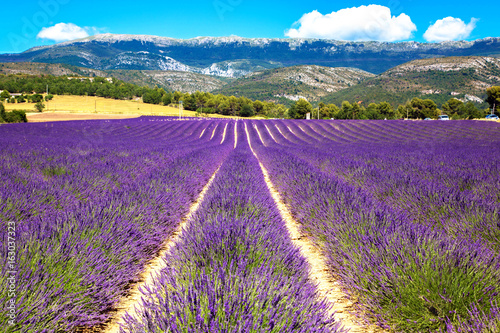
<point x="291" y="83"/>
<point x="236" y="56"/>
<point x="169" y="80"/>
<point x="33" y="68"/>
<point x="438" y="79"/>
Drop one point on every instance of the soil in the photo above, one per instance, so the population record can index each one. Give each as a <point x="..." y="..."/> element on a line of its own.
<point x="152" y="270"/>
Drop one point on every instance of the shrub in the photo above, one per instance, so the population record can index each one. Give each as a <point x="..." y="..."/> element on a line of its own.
<point x="39" y="106"/>
<point x="16" y="116"/>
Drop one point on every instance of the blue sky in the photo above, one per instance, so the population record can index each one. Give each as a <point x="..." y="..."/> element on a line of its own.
<point x="31" y="23"/>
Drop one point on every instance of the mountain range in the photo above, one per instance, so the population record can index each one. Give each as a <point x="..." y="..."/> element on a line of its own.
<point x="236" y="56"/>
<point x="279" y="70"/>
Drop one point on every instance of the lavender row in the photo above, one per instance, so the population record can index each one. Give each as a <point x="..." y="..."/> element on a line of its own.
<point x="455" y="189"/>
<point x="453" y="186"/>
<point x="92" y="202"/>
<point x="325" y="133"/>
<point x="234" y="268"/>
<point x="406" y="276"/>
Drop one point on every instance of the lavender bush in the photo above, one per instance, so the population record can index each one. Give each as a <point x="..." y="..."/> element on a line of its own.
<point x="409" y="272"/>
<point x="234" y="268"/>
<point x="93" y="202"/>
<point x="406" y="213"/>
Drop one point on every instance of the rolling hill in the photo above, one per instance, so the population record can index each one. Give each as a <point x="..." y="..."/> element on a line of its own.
<point x="169" y="80"/>
<point x="291" y="83"/>
<point x="439" y="79"/>
<point x="33" y="68"/>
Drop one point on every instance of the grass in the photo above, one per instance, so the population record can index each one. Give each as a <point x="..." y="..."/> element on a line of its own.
<point x="100" y="105"/>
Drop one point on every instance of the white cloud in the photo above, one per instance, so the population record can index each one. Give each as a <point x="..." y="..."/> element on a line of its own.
<point x="449" y="28"/>
<point x="364" y="23"/>
<point x="62" y="32"/>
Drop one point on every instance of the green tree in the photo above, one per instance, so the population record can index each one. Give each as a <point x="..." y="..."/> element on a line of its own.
<point x="386" y="110"/>
<point x="201" y="99"/>
<point x="233" y="105"/>
<point x="372" y="112"/>
<point x="4" y="95"/>
<point x="452" y="106"/>
<point x="328" y="111"/>
<point x="189" y="102"/>
<point x="3" y="115"/>
<point x="36" y="98"/>
<point x="351" y="111"/>
<point x="176" y="97"/>
<point x="258" y="106"/>
<point x="405" y="110"/>
<point x="247" y="110"/>
<point x="166" y="99"/>
<point x="299" y="109"/>
<point x="422" y="108"/>
<point x="460" y="110"/>
<point x="224" y="108"/>
<point x="470" y="111"/>
<point x="493" y="98"/>
<point x="21" y="99"/>
<point x="39" y="106"/>
<point x="272" y="110"/>
<point x="152" y="97"/>
<point x="16" y="116"/>
<point x="345" y="110"/>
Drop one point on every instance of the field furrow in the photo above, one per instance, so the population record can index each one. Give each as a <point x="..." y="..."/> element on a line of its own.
<point x="235" y="268"/>
<point x="424" y="267"/>
<point x="161" y="224"/>
<point x="91" y="211"/>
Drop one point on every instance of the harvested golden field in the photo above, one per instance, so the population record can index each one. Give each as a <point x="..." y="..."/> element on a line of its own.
<point x="63" y="116"/>
<point x="90" y="106"/>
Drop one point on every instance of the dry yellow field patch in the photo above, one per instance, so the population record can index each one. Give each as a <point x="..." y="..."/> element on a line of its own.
<point x="103" y="106"/>
<point x="64" y="116"/>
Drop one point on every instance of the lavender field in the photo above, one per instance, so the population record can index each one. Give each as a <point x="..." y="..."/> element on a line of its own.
<point x="405" y="214"/>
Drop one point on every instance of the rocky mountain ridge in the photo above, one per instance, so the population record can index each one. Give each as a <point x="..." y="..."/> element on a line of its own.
<point x="236" y="56"/>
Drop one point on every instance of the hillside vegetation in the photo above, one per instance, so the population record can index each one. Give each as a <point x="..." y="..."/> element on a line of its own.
<point x="438" y="79"/>
<point x="287" y="84"/>
<point x="418" y="89"/>
<point x="169" y="80"/>
<point x="35" y="68"/>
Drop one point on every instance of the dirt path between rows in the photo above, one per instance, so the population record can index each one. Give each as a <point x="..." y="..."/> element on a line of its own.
<point x="271" y="134"/>
<point x="151" y="270"/>
<point x="328" y="288"/>
<point x="224" y="134"/>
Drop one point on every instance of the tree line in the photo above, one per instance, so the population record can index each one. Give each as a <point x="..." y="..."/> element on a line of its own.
<point x="32" y="87"/>
<point x="416" y="108"/>
<point x="67" y="85"/>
